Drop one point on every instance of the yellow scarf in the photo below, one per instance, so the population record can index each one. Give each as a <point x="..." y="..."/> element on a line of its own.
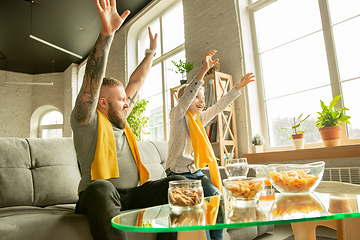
<point x="211" y="209"/>
<point x="203" y="154"/>
<point x="143" y="172"/>
<point x="105" y="164"/>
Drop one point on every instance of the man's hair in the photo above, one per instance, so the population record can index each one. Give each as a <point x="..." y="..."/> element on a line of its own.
<point x="109" y="81"/>
<point x="182" y="89"/>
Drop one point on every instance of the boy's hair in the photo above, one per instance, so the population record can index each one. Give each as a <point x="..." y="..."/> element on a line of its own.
<point x="182" y="88"/>
<point x="109" y="81"/>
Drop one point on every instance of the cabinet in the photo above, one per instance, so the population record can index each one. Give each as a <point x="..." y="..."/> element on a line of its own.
<point x="225" y="145"/>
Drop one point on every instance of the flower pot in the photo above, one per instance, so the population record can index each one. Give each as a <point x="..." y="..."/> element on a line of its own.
<point x="331" y="135"/>
<point x="298" y="140"/>
<point x="183" y="81"/>
<point x="257" y="148"/>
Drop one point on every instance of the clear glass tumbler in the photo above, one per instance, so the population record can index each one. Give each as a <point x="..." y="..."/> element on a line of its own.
<point x="236" y="168"/>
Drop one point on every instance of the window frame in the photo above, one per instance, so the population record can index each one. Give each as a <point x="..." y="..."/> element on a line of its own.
<point x="160" y="59"/>
<point x="252" y="60"/>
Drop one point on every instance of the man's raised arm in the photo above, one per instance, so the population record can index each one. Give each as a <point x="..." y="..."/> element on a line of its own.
<point x="87" y="100"/>
<point x="138" y="77"/>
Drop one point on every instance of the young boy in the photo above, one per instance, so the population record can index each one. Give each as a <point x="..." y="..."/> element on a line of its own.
<point x="189" y="147"/>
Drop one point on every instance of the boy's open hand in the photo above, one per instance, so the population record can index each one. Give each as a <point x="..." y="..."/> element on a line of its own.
<point x="208" y="62"/>
<point x="109" y="17"/>
<point x="249" y="77"/>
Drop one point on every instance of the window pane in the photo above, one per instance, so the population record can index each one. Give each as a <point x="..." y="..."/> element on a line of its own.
<point x="295" y="67"/>
<point x="172" y="79"/>
<point x="173" y="28"/>
<point x="281" y="112"/>
<point x="344" y="9"/>
<point x="350" y="93"/>
<point x="144" y="41"/>
<point x="153" y="83"/>
<point x="154" y="110"/>
<point x="284" y="21"/>
<point x="51" y="118"/>
<point x="347" y="44"/>
<point x="51" y="133"/>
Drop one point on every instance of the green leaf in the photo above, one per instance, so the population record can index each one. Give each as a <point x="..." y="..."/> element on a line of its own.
<point x="334" y="101"/>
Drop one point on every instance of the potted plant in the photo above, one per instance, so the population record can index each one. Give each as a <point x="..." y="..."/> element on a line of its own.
<point x="298" y="136"/>
<point x="182" y="68"/>
<point x="257" y="142"/>
<point x="329" y="122"/>
<point x="135" y="119"/>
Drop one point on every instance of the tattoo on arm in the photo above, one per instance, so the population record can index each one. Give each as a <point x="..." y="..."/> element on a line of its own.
<point x="86" y="101"/>
<point x="131" y="100"/>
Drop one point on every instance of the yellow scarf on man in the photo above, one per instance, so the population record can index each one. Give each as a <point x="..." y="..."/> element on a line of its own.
<point x="203" y="153"/>
<point x="143" y="172"/>
<point x="105" y="163"/>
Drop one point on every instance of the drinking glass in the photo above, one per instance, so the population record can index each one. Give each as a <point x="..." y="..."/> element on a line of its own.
<point x="236" y="168"/>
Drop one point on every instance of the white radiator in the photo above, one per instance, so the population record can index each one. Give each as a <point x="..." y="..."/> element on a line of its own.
<point x="348" y="175"/>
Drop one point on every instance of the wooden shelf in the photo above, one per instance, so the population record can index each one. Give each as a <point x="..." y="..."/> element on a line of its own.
<point x="344" y="151"/>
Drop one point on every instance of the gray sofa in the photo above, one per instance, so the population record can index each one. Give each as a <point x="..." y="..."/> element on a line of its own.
<point x="38" y="190"/>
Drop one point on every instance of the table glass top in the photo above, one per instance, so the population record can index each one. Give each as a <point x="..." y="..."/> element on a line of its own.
<point x="219" y="212"/>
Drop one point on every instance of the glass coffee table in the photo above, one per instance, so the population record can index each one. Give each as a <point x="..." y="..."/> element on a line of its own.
<point x="220" y="212"/>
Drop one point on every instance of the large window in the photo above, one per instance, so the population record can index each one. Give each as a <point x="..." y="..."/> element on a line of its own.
<point x="51" y="125"/>
<point x="170" y="28"/>
<point x="306" y="51"/>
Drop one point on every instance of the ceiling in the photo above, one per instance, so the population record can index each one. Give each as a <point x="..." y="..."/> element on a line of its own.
<point x="73" y="25"/>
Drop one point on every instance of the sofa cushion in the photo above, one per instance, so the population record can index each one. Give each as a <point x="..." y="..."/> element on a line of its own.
<point x="55" y="171"/>
<point x="162" y="148"/>
<point x="151" y="159"/>
<point x="16" y="185"/>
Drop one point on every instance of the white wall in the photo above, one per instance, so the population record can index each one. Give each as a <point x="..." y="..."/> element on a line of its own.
<point x="18" y="102"/>
<point x="15" y="105"/>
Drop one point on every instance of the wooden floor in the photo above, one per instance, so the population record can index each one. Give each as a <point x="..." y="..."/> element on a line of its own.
<point x="283" y="231"/>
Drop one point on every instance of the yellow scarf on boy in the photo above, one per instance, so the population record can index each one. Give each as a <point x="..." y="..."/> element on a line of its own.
<point x="203" y="153"/>
<point x="105" y="163"/>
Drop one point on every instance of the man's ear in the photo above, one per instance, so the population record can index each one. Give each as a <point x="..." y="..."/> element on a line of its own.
<point x="103" y="103"/>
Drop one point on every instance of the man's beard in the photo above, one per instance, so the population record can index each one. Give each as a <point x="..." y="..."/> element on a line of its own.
<point x="116" y="117"/>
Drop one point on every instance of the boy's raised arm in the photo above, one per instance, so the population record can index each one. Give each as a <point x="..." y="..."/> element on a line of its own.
<point x="87" y="99"/>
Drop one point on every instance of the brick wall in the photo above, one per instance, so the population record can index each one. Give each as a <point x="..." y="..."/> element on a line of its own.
<point x="15" y="105"/>
<point x="211" y="25"/>
<point x="18" y="102"/>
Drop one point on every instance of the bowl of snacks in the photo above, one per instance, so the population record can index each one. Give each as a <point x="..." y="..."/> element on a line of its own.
<point x="247" y="190"/>
<point x="295" y="178"/>
<point x="294" y="206"/>
<point x="185" y="194"/>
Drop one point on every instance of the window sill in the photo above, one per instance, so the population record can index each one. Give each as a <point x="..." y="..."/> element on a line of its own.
<point x="344" y="151"/>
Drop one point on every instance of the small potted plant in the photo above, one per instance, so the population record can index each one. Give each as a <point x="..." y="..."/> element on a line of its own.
<point x="257" y="142"/>
<point x="137" y="122"/>
<point x="298" y="136"/>
<point x="329" y="122"/>
<point x="182" y="68"/>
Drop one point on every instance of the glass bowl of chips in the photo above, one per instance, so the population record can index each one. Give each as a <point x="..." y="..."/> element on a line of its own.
<point x="245" y="190"/>
<point x="295" y="178"/>
<point x="185" y="194"/>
